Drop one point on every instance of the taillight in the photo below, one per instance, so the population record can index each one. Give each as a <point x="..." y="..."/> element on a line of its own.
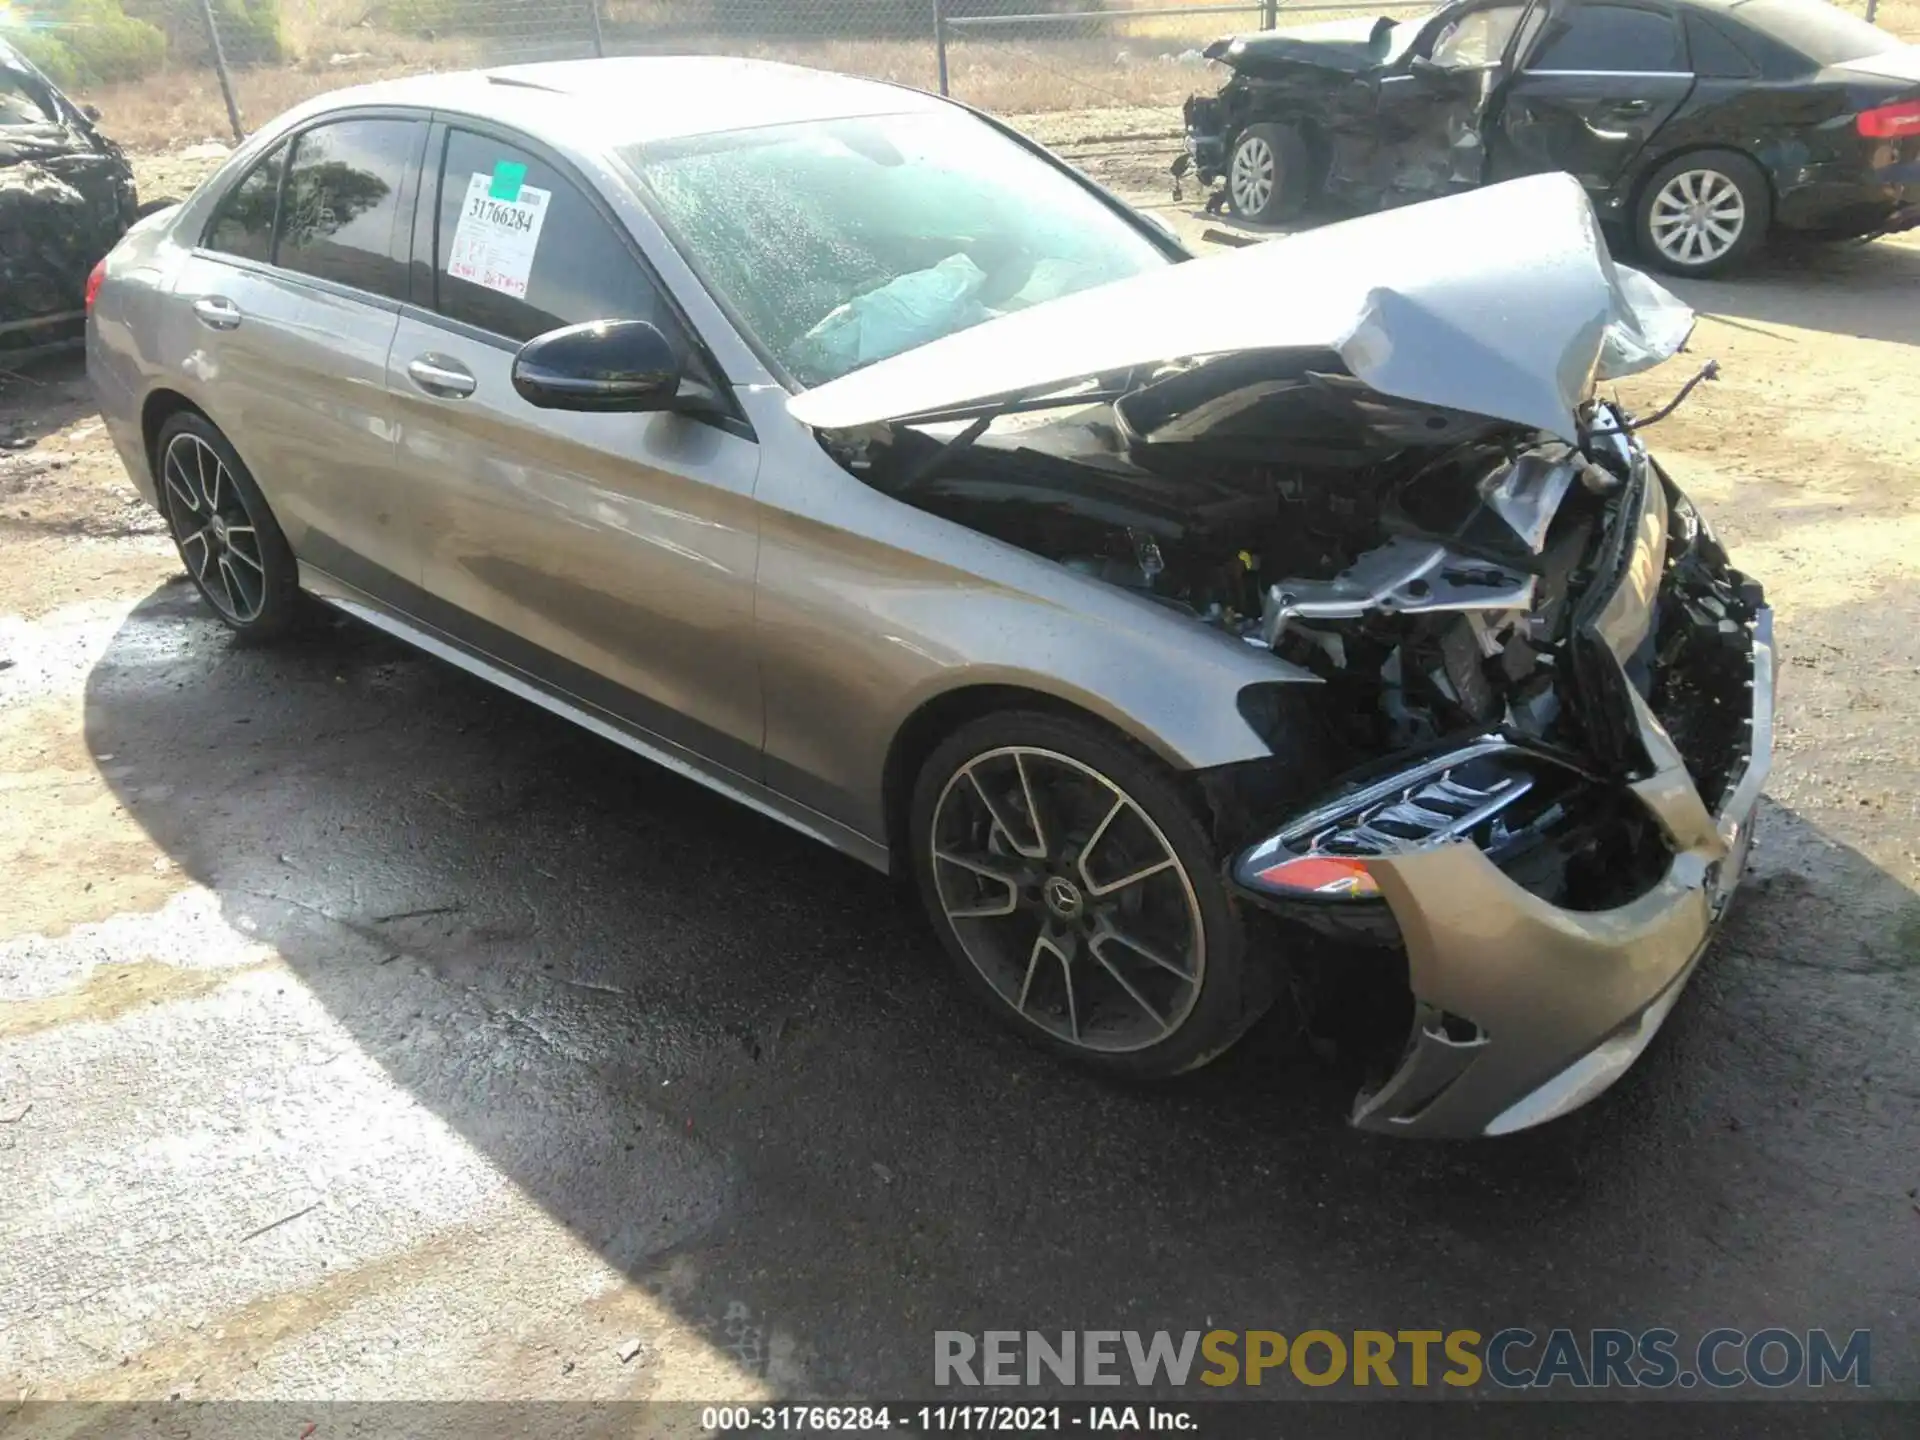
<point x="1890" y="122"/>
<point x="94" y="277"/>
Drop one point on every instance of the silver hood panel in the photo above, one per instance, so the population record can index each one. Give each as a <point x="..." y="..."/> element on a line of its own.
<point x="1500" y="302"/>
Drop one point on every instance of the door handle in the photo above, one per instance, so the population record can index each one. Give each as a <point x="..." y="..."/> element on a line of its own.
<point x="437" y="375"/>
<point x="217" y="312"/>
<point x="1633" y="107"/>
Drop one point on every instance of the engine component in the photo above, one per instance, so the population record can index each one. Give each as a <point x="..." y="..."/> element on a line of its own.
<point x="1422" y="563"/>
<point x="1403" y="576"/>
<point x="1527" y="493"/>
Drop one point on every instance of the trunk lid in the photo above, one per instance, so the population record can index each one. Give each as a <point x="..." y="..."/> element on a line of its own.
<point x="1902" y="65"/>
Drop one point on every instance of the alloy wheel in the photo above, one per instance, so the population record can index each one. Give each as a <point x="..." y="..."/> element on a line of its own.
<point x="1251" y="181"/>
<point x="1068" y="899"/>
<point x="213" y="529"/>
<point x="1697" y="217"/>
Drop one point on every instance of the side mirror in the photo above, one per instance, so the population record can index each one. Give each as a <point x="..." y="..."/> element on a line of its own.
<point x="92" y="112"/>
<point x="603" y="365"/>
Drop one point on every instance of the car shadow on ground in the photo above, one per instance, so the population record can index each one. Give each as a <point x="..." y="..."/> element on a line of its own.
<point x="1871" y="290"/>
<point x="42" y="397"/>
<point x="697" y="1039"/>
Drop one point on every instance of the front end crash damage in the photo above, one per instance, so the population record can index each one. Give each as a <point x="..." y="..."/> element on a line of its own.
<point x="1551" y="891"/>
<point x="1544" y="693"/>
<point x="1375" y="137"/>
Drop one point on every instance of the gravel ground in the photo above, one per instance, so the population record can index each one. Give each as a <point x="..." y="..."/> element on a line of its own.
<point x="368" y="1033"/>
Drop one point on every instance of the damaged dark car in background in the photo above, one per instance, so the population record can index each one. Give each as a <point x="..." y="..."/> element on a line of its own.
<point x="1698" y="127"/>
<point x="66" y="197"/>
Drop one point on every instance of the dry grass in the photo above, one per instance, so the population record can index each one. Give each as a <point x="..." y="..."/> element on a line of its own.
<point x="182" y="104"/>
<point x="1899" y="17"/>
<point x="330" y="44"/>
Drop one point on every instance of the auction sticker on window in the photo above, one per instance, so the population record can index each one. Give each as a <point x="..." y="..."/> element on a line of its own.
<point x="499" y="231"/>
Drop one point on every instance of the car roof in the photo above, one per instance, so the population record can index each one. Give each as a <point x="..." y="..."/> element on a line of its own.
<point x="598" y="104"/>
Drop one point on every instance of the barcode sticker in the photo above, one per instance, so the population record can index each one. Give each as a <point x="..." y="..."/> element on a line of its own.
<point x="494" y="243"/>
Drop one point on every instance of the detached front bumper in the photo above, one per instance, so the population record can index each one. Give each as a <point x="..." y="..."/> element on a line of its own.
<point x="1556" y="1003"/>
<point x="1525" y="1009"/>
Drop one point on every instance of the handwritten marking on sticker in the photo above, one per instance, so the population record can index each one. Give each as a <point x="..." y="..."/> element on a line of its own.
<point x="494" y="243"/>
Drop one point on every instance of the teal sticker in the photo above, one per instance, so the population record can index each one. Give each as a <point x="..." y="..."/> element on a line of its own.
<point x="507" y="179"/>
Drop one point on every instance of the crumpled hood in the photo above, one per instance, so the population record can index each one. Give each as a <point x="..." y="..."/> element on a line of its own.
<point x="1352" y="46"/>
<point x="1500" y="302"/>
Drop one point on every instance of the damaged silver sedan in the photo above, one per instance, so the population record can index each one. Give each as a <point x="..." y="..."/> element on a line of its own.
<point x="1188" y="632"/>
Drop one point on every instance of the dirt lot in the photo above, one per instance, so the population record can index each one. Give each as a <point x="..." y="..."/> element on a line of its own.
<point x="364" y="1032"/>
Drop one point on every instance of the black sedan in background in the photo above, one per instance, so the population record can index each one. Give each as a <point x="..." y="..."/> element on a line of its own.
<point x="1698" y="125"/>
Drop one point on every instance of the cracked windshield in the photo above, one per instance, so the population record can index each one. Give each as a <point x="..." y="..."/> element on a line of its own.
<point x="839" y="243"/>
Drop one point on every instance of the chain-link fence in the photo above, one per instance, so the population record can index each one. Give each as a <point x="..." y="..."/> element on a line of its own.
<point x="167" y="71"/>
<point x="163" y="70"/>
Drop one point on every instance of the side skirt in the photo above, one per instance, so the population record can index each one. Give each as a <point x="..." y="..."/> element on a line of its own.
<point x="662" y="752"/>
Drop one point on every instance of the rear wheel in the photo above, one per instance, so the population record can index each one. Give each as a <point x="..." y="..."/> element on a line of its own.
<point x="1269" y="174"/>
<point x="227" y="537"/>
<point x="1073" y="884"/>
<point x="1702" y="213"/>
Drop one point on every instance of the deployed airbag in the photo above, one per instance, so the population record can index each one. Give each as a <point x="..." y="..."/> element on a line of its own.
<point x="910" y="310"/>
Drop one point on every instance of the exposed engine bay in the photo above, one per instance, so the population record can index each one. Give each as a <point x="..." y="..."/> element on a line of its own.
<point x="1518" y="739"/>
<point x="1420" y="561"/>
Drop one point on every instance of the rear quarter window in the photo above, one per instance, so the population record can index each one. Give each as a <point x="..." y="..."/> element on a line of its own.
<point x="1716" y="54"/>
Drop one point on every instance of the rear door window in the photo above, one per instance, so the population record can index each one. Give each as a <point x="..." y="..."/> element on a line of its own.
<point x="340" y="202"/>
<point x="242" y="224"/>
<point x="1610" y="39"/>
<point x="534" y="253"/>
<point x="1479" y="38"/>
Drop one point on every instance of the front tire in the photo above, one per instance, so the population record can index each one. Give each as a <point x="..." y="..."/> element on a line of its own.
<point x="1072" y="883"/>
<point x="1269" y="174"/>
<point x="226" y="535"/>
<point x="1702" y="213"/>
